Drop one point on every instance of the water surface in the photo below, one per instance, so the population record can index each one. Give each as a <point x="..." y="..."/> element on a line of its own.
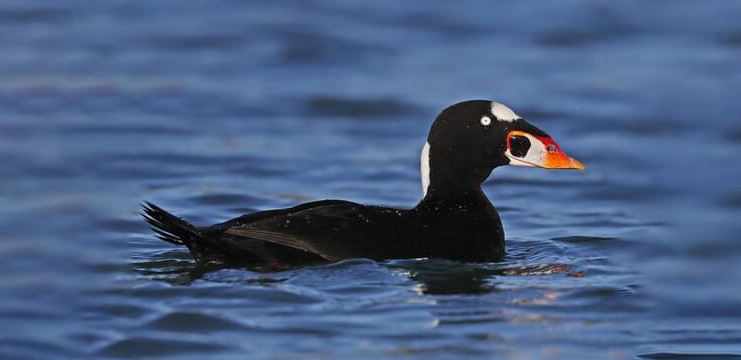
<point x="216" y="110"/>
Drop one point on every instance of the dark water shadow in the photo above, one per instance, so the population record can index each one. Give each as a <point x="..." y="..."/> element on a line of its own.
<point x="564" y="257"/>
<point x="445" y="277"/>
<point x="356" y="108"/>
<point x="436" y="276"/>
<point x="689" y="356"/>
<point x="177" y="267"/>
<point x="731" y="200"/>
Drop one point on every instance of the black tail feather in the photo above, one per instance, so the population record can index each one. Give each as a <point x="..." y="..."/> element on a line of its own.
<point x="169" y="227"/>
<point x="210" y="247"/>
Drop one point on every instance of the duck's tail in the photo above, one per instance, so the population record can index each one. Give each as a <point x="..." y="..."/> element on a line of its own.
<point x="174" y="230"/>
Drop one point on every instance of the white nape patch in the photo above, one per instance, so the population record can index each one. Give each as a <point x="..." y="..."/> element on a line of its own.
<point x="503" y="113"/>
<point x="424" y="166"/>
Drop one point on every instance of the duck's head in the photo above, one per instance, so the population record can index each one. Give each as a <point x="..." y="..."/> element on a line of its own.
<point x="469" y="139"/>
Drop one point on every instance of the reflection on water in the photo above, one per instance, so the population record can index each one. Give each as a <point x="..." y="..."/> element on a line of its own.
<point x="215" y="111"/>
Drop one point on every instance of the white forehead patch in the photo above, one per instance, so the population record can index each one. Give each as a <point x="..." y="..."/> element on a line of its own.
<point x="503" y="113"/>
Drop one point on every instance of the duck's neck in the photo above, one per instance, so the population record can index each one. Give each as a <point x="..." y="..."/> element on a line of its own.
<point x="455" y="197"/>
<point x="449" y="179"/>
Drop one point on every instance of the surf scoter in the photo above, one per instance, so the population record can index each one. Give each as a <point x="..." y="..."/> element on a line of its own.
<point x="454" y="220"/>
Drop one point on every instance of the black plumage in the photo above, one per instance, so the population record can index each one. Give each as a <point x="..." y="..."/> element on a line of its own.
<point x="454" y="220"/>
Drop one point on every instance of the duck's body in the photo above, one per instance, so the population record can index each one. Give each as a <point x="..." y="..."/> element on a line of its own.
<point x="454" y="220"/>
<point x="465" y="229"/>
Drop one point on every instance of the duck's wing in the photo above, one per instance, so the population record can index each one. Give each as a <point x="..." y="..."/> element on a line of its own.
<point x="332" y="229"/>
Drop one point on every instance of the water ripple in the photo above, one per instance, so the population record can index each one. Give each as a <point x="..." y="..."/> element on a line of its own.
<point x="215" y="111"/>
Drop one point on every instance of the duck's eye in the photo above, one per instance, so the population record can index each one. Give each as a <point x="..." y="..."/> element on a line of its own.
<point x="519" y="145"/>
<point x="486" y="121"/>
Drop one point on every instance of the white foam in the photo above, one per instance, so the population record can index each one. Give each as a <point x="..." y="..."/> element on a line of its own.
<point x="503" y="113"/>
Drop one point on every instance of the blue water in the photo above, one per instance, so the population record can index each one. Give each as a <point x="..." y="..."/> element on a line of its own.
<point x="216" y="109"/>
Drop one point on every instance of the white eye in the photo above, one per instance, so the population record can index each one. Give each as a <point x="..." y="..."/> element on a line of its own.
<point x="486" y="121"/>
